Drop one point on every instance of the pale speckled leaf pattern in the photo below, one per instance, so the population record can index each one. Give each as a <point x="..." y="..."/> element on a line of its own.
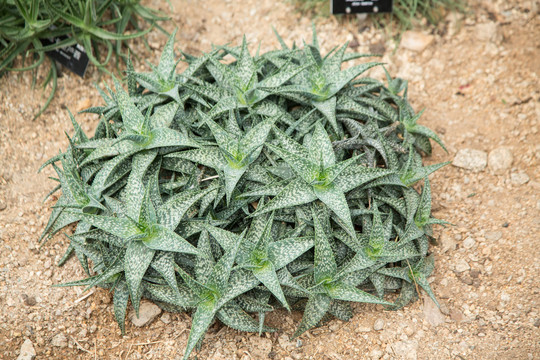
<point x="324" y="263"/>
<point x="173" y="210"/>
<point x="328" y="109"/>
<point x="284" y="251"/>
<point x="316" y="308"/>
<point x="341" y="309"/>
<point x="226" y="239"/>
<point x="163" y="263"/>
<point x="232" y="176"/>
<point x="164" y="115"/>
<point x="205" y="263"/>
<point x="252" y="142"/>
<point x="359" y="262"/>
<point x="291" y="145"/>
<point x="345" y="292"/>
<point x="334" y="198"/>
<point x="222" y="270"/>
<point x="245" y="67"/>
<point x="167" y="63"/>
<point x="355" y="176"/>
<point x="162" y="238"/>
<point x="200" y="321"/>
<point x="320" y="148"/>
<point x="378" y="282"/>
<point x="133" y="118"/>
<point x="297" y="192"/>
<point x="304" y="168"/>
<point x="235" y="317"/>
<point x="240" y="282"/>
<point x="208" y="156"/>
<point x="121" y="227"/>
<point x="266" y="274"/>
<point x="137" y="260"/>
<point x="135" y="188"/>
<point x="120" y="302"/>
<point x="165" y="137"/>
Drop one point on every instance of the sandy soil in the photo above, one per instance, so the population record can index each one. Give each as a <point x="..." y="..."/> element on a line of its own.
<point x="479" y="83"/>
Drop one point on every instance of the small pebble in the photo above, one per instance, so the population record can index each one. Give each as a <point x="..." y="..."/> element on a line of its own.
<point x="59" y="340"/>
<point x="469" y="243"/>
<point x="461" y="266"/>
<point x="500" y="160"/>
<point x="493" y="235"/>
<point x="378" y="325"/>
<point x="470" y="159"/>
<point x="29" y="300"/>
<point x="519" y="178"/>
<point x="27" y="351"/>
<point x="147" y="313"/>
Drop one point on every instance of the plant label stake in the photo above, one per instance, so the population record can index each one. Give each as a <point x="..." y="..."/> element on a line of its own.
<point x="359" y="7"/>
<point x="72" y="57"/>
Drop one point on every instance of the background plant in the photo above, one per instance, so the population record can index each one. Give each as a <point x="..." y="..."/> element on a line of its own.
<point x="234" y="188"/>
<point x="404" y="16"/>
<point x="26" y="26"/>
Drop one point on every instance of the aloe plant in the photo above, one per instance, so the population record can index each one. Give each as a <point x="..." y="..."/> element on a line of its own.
<point x="26" y="27"/>
<point x="274" y="180"/>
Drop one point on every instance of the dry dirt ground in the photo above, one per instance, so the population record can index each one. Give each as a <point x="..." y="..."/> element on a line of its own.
<point x="479" y="83"/>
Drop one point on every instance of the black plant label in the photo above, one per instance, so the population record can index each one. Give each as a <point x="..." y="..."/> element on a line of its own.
<point x="358" y="7"/>
<point x="73" y="57"/>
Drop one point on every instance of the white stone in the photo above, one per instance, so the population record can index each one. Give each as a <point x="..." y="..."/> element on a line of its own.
<point x="447" y="243"/>
<point x="493" y="235"/>
<point x="488" y="32"/>
<point x="416" y="41"/>
<point x="261" y="347"/>
<point x="27" y="351"/>
<point x="59" y="340"/>
<point x="462" y="266"/>
<point x="166" y="318"/>
<point x="376" y="354"/>
<point x="364" y="329"/>
<point x="432" y="314"/>
<point x="500" y="160"/>
<point x="519" y="178"/>
<point x="469" y="243"/>
<point x="505" y="297"/>
<point x="405" y="349"/>
<point x="470" y="159"/>
<point x="378" y="325"/>
<point x="147" y="313"/>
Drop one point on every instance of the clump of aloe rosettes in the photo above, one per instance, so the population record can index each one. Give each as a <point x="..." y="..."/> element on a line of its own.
<point x="234" y="188"/>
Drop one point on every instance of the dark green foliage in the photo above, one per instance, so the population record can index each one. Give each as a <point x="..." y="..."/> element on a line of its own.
<point x="231" y="189"/>
<point x="94" y="24"/>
